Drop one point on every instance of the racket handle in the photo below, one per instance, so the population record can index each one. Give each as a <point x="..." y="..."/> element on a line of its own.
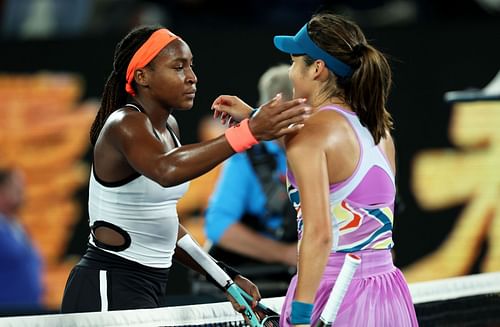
<point x="339" y="290"/>
<point x="234" y="291"/>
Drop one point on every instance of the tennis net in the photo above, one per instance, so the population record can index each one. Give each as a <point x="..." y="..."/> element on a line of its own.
<point x="472" y="300"/>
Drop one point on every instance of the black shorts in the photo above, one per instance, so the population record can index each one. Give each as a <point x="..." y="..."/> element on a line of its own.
<point x="102" y="281"/>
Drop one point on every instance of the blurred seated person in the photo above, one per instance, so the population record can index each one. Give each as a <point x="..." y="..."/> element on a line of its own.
<point x="249" y="221"/>
<point x="20" y="264"/>
<point x="193" y="204"/>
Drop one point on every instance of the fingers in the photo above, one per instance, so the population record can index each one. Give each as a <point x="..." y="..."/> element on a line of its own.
<point x="256" y="296"/>
<point x="236" y="306"/>
<point x="293" y="117"/>
<point x="222" y="115"/>
<point x="299" y="110"/>
<point x="280" y="107"/>
<point x="216" y="106"/>
<point x="222" y="99"/>
<point x="220" y="112"/>
<point x="290" y="104"/>
<point x="217" y="101"/>
<point x="277" y="99"/>
<point x="289" y="130"/>
<point x="216" y="113"/>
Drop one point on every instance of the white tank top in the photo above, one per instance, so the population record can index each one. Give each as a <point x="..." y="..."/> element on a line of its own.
<point x="145" y="210"/>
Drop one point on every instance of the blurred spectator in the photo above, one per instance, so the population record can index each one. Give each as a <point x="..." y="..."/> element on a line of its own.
<point x="491" y="6"/>
<point x="118" y="16"/>
<point x="249" y="219"/>
<point x="380" y="12"/>
<point x="20" y="263"/>
<point x="32" y="19"/>
<point x="43" y="19"/>
<point x="29" y="19"/>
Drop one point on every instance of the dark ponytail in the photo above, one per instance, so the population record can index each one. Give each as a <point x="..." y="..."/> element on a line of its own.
<point x="114" y="95"/>
<point x="367" y="90"/>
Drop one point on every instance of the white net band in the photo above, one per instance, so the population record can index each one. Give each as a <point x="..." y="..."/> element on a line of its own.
<point x="222" y="314"/>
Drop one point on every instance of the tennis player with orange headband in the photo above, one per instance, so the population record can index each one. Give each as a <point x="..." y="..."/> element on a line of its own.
<point x="140" y="170"/>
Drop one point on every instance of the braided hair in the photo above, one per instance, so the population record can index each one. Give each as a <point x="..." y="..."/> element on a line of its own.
<point x="114" y="95"/>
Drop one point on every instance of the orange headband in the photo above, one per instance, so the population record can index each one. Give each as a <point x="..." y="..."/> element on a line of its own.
<point x="156" y="42"/>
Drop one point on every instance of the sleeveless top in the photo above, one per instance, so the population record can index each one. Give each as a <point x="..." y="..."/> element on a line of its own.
<point x="361" y="207"/>
<point x="144" y="210"/>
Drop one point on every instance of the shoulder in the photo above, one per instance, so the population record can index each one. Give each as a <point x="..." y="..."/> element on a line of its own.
<point x="124" y="118"/>
<point x="318" y="130"/>
<point x="128" y="123"/>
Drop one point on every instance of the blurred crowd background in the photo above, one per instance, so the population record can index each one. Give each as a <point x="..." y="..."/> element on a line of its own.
<point x="43" y="19"/>
<point x="56" y="55"/>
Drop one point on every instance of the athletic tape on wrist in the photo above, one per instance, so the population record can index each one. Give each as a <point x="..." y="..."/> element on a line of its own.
<point x="301" y="313"/>
<point x="204" y="260"/>
<point x="240" y="136"/>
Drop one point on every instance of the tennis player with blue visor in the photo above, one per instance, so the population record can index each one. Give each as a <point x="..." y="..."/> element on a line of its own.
<point x="341" y="177"/>
<point x="301" y="43"/>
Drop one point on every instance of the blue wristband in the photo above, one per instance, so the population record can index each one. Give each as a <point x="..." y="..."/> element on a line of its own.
<point x="254" y="111"/>
<point x="301" y="313"/>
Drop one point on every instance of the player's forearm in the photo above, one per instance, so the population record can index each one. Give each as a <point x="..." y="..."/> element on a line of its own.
<point x="241" y="239"/>
<point x="190" y="161"/>
<point x="313" y="257"/>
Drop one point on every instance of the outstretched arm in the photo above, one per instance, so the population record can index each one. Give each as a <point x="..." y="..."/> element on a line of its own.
<point x="132" y="135"/>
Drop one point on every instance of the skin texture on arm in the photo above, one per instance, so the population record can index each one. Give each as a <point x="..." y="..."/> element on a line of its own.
<point x="129" y="138"/>
<point x="306" y="153"/>
<point x="139" y="141"/>
<point x="243" y="240"/>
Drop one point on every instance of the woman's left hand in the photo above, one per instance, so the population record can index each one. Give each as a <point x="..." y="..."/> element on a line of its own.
<point x="230" y="109"/>
<point x="248" y="287"/>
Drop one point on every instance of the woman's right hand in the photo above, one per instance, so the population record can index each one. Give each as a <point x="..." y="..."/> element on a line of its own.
<point x="277" y="118"/>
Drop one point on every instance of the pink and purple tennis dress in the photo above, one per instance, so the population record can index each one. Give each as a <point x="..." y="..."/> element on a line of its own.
<point x="362" y="216"/>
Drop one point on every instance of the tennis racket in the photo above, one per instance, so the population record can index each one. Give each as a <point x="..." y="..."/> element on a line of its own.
<point x="268" y="317"/>
<point x="339" y="289"/>
<point x="223" y="280"/>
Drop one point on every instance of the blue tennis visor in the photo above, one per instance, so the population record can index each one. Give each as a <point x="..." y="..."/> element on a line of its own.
<point x="300" y="44"/>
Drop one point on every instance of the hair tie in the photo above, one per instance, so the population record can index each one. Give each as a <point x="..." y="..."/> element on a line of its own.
<point x="358" y="50"/>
